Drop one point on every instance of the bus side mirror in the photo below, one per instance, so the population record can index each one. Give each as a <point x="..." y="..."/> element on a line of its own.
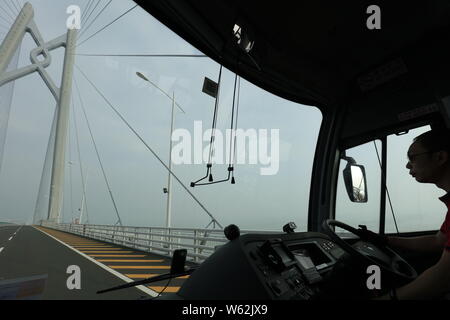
<point x="355" y="181"/>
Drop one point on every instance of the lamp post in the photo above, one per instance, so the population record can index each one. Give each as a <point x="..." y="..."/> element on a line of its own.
<point x="83" y="199"/>
<point x="169" y="182"/>
<point x="169" y="179"/>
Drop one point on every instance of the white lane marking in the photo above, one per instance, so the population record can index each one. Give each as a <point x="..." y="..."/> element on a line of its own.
<point x="117" y="274"/>
<point x="15" y="233"/>
<point x="1" y="249"/>
<point x="18" y="230"/>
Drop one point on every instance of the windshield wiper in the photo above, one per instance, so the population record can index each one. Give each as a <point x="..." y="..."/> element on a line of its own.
<point x="177" y="269"/>
<point x="149" y="280"/>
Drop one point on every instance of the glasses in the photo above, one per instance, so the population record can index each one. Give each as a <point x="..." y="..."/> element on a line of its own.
<point x="412" y="157"/>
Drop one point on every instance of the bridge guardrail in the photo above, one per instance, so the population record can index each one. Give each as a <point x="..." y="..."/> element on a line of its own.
<point x="200" y="243"/>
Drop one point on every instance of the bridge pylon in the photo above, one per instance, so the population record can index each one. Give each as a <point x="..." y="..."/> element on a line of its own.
<point x="23" y="24"/>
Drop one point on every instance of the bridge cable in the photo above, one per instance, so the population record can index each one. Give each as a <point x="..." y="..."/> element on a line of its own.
<point x="149" y="148"/>
<point x="98" y="154"/>
<point x="145" y="55"/>
<point x="81" y="163"/>
<point x="4" y="27"/>
<point x="21" y="4"/>
<point x="86" y="10"/>
<point x="90" y="13"/>
<point x="8" y="14"/>
<point x="9" y="7"/>
<point x="44" y="185"/>
<point x="95" y="19"/>
<point x="5" y="17"/>
<point x="70" y="173"/>
<point x="122" y="15"/>
<point x="8" y="24"/>
<point x="16" y="5"/>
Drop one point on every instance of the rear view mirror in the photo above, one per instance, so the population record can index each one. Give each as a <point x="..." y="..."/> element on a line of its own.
<point x="355" y="181"/>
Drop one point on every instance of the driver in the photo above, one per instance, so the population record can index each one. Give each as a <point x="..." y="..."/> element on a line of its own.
<point x="429" y="162"/>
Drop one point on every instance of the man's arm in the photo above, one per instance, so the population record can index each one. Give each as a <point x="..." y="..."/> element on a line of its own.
<point x="432" y="243"/>
<point x="433" y="283"/>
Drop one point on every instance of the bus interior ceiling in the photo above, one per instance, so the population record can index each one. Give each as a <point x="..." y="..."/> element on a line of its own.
<point x="321" y="53"/>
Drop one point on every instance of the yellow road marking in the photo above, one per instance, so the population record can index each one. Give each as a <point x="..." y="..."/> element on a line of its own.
<point x="93" y="244"/>
<point x="139" y="267"/>
<point x="82" y="243"/>
<point x="141" y="276"/>
<point x="117" y="255"/>
<point x="94" y="247"/>
<point x="168" y="289"/>
<point x="145" y="276"/>
<point x="86" y="246"/>
<point x="90" y="251"/>
<point x="75" y="243"/>
<point x="99" y="249"/>
<point x="112" y="260"/>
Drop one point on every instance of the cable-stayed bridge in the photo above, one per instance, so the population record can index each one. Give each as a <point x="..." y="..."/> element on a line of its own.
<point x="36" y="260"/>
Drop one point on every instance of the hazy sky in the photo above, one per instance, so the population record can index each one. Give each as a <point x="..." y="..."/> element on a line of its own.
<point x="136" y="177"/>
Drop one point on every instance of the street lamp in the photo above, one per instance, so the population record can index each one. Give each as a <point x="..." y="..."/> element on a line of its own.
<point x="140" y="75"/>
<point x="83" y="199"/>
<point x="167" y="190"/>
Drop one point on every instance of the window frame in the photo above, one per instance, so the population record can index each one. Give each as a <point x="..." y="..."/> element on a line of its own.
<point x="382" y="136"/>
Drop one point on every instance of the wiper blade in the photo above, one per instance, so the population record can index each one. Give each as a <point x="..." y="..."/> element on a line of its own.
<point x="149" y="280"/>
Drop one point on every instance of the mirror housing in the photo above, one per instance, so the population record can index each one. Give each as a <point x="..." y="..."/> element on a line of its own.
<point x="355" y="181"/>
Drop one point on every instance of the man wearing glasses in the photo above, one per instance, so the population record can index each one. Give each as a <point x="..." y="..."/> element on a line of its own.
<point x="428" y="162"/>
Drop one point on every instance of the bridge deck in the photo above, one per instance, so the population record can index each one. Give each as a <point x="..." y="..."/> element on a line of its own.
<point x="31" y="251"/>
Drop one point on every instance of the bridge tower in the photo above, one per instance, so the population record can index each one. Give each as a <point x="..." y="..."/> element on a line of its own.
<point x="24" y="23"/>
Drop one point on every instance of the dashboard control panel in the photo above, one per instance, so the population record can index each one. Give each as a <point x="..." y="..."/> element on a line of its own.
<point x="293" y="269"/>
<point x="288" y="266"/>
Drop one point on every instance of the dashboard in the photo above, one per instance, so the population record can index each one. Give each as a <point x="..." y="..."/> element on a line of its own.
<point x="293" y="266"/>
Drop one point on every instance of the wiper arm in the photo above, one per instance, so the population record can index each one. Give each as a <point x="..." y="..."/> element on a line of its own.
<point x="149" y="280"/>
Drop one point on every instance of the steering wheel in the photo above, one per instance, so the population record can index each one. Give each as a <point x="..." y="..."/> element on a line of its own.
<point x="367" y="252"/>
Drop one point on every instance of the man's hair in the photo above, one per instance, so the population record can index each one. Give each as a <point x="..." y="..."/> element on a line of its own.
<point x="435" y="140"/>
